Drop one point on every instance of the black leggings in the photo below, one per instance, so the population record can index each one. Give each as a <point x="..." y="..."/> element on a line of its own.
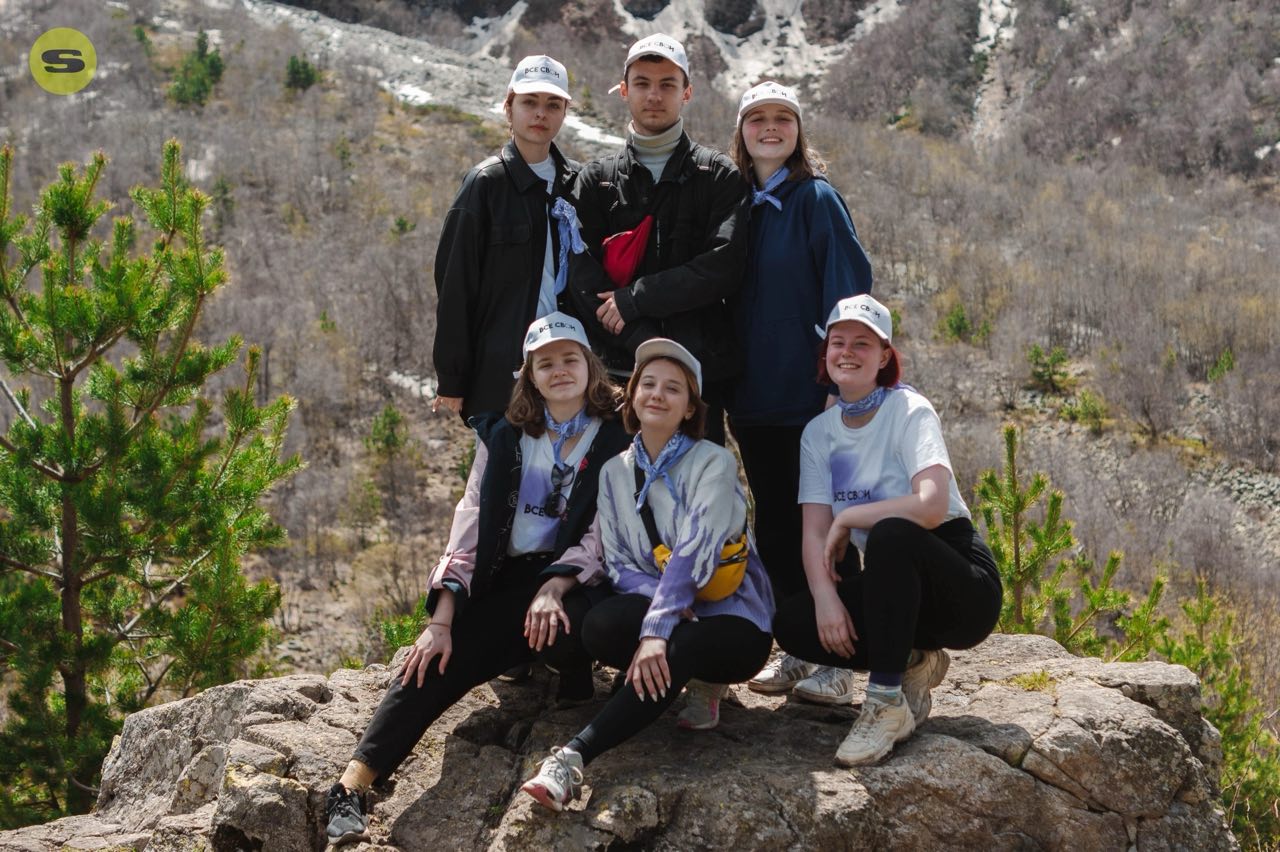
<point x="919" y="588"/>
<point x="771" y="459"/>
<point x="488" y="639"/>
<point x="717" y="649"/>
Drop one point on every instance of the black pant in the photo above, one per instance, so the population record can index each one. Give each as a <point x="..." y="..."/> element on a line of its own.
<point x="771" y="458"/>
<point x="488" y="639"/>
<point x="718" y="649"/>
<point x="919" y="588"/>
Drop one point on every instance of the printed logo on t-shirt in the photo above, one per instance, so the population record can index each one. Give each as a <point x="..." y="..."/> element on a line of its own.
<point x="846" y="489"/>
<point x="540" y="525"/>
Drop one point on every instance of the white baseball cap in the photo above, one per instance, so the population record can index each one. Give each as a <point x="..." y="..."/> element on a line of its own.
<point x="661" y="347"/>
<point x="554" y="326"/>
<point x="865" y="310"/>
<point x="539" y="74"/>
<point x="768" y="92"/>
<point x="657" y="45"/>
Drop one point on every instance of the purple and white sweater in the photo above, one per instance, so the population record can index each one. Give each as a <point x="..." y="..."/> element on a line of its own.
<point x="711" y="511"/>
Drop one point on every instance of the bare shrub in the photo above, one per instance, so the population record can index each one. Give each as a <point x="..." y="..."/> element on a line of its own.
<point x="1149" y="383"/>
<point x="1248" y="422"/>
<point x="1121" y="71"/>
<point x="927" y="53"/>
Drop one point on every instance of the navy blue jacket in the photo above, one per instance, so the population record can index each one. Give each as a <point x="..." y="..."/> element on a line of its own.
<point x="801" y="260"/>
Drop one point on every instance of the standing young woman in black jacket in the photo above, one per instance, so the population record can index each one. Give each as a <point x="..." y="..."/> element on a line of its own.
<point x="502" y="259"/>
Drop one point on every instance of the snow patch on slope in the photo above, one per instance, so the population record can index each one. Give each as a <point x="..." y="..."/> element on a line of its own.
<point x="996" y="20"/>
<point x="780" y="49"/>
<point x="413" y="71"/>
<point x="489" y="32"/>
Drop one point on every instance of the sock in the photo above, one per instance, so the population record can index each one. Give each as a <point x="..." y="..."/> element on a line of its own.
<point x="358" y="777"/>
<point x="886" y="693"/>
<point x="577" y="746"/>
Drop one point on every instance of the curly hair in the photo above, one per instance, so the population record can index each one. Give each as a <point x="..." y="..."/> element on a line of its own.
<point x="527" y="407"/>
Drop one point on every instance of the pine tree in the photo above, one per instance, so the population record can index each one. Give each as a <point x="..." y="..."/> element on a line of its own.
<point x="127" y="497"/>
<point x="199" y="72"/>
<point x="299" y="74"/>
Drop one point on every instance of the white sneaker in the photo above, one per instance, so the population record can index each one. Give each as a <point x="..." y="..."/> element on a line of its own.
<point x="827" y="685"/>
<point x="559" y="779"/>
<point x="919" y="679"/>
<point x="780" y="675"/>
<point x="879" y="727"/>
<point x="701" y="705"/>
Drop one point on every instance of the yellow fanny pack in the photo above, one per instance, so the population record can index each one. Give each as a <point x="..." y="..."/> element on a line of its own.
<point x="730" y="570"/>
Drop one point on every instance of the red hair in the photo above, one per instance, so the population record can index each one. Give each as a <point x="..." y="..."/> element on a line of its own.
<point x="888" y="376"/>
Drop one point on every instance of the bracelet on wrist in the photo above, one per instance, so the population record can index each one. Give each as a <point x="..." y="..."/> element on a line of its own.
<point x="438" y="624"/>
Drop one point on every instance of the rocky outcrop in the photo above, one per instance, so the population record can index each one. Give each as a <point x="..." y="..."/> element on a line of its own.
<point x="1028" y="747"/>
<point x="735" y="17"/>
<point x="831" y="21"/>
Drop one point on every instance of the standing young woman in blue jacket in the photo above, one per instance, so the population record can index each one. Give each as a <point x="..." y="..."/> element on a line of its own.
<point x="803" y="257"/>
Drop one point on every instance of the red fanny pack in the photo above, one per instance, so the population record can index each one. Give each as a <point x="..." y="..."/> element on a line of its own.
<point x="624" y="250"/>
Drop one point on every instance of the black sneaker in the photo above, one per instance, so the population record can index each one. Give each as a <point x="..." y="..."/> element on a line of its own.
<point x="345" y="812"/>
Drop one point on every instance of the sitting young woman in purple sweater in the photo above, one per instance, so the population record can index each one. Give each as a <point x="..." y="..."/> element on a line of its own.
<point x="656" y="628"/>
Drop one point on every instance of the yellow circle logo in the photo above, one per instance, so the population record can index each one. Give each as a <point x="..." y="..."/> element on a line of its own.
<point x="63" y="61"/>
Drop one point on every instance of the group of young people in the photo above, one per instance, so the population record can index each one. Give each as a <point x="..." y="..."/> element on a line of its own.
<point x="607" y="525"/>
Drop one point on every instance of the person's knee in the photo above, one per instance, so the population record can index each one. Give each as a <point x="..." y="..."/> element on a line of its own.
<point x="603" y="632"/>
<point x="892" y="533"/>
<point x="792" y="628"/>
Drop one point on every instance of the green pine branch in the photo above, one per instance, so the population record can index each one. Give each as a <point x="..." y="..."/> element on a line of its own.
<point x="127" y="495"/>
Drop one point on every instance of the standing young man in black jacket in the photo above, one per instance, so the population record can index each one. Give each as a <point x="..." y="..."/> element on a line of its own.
<point x="671" y="276"/>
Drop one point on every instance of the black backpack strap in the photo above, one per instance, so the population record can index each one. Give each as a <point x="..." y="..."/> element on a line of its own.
<point x="704" y="160"/>
<point x="646" y="514"/>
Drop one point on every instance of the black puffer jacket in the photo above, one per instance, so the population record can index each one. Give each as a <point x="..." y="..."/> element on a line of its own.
<point x="488" y="273"/>
<point x="695" y="259"/>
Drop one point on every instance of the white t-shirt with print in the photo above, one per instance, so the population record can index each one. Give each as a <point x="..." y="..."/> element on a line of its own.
<point x="547" y="291"/>
<point x="841" y="466"/>
<point x="534" y="531"/>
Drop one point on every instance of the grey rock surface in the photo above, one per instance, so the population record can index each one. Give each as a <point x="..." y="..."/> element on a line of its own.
<point x="1027" y="748"/>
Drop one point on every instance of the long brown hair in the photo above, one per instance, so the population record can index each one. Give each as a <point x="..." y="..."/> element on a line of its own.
<point x="527" y="407"/>
<point x="695" y="427"/>
<point x="805" y="162"/>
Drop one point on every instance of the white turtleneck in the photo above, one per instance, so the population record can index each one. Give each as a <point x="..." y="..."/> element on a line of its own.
<point x="653" y="152"/>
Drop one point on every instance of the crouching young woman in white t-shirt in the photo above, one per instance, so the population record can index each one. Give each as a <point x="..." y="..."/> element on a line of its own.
<point x="706" y="614"/>
<point x="874" y="470"/>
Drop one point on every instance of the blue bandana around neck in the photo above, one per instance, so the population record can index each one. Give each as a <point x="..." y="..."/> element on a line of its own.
<point x="675" y="449"/>
<point x="570" y="238"/>
<point x="760" y="196"/>
<point x="575" y="425"/>
<point x="858" y="407"/>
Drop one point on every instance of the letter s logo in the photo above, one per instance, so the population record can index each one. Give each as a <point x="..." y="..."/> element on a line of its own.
<point x="62" y="61"/>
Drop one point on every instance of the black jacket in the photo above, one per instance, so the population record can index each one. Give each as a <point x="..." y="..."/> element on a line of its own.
<point x="488" y="272"/>
<point x="695" y="260"/>
<point x="500" y="490"/>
